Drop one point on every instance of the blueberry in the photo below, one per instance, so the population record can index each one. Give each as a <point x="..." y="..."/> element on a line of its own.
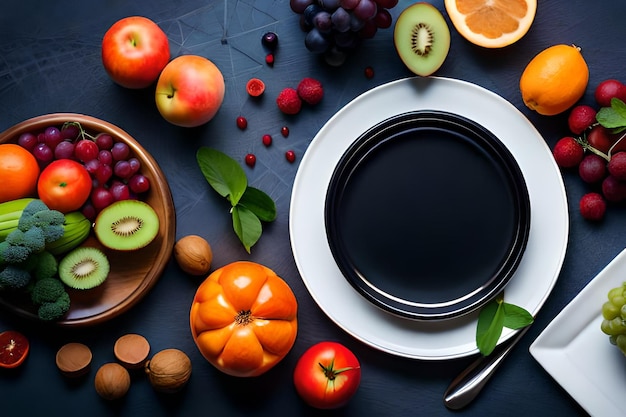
<point x="270" y="40"/>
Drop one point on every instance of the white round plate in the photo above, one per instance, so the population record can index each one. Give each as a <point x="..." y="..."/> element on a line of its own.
<point x="541" y="264"/>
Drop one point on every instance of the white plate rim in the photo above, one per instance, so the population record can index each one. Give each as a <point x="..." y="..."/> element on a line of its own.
<point x="559" y="348"/>
<point x="544" y="255"/>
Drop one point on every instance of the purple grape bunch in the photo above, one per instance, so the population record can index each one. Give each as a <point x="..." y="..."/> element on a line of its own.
<point x="115" y="171"/>
<point x="336" y="27"/>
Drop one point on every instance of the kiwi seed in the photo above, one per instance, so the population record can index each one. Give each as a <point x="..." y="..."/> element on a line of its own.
<point x="84" y="268"/>
<point x="422" y="39"/>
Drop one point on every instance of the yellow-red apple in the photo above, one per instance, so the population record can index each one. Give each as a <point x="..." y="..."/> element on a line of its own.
<point x="134" y="52"/>
<point x="190" y="91"/>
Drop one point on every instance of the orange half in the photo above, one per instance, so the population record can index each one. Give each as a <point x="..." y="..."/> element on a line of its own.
<point x="492" y="23"/>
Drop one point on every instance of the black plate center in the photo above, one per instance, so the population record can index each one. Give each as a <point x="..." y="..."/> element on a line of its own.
<point x="427" y="213"/>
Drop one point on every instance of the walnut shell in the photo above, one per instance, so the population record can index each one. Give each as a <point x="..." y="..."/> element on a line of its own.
<point x="193" y="254"/>
<point x="112" y="381"/>
<point x="169" y="370"/>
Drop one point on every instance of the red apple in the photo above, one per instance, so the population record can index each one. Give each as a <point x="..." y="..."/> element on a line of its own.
<point x="190" y="91"/>
<point x="134" y="52"/>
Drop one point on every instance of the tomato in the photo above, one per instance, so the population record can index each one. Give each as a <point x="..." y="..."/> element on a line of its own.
<point x="244" y="319"/>
<point x="64" y="185"/>
<point x="327" y="375"/>
<point x="14" y="348"/>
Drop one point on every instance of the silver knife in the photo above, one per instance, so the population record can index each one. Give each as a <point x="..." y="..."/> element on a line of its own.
<point x="465" y="387"/>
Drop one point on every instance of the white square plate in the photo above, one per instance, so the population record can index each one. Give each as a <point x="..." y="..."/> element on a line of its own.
<point x="573" y="349"/>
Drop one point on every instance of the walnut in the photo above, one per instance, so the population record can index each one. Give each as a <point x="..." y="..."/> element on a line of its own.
<point x="169" y="370"/>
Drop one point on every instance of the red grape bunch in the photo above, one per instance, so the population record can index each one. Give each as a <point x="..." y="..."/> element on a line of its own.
<point x="596" y="148"/>
<point x="336" y="27"/>
<point x="115" y="171"/>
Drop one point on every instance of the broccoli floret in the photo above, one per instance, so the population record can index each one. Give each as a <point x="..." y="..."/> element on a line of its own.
<point x="44" y="265"/>
<point x="33" y="207"/>
<point x="33" y="239"/>
<point x="47" y="290"/>
<point x="3" y="245"/>
<point x="13" y="277"/>
<point x="54" y="310"/>
<point x="37" y="214"/>
<point x="49" y="217"/>
<point x="14" y="254"/>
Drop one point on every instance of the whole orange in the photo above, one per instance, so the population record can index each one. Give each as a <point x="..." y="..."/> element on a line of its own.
<point x="19" y="171"/>
<point x="554" y="80"/>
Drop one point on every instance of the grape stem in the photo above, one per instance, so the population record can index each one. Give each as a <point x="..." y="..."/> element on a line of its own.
<point x="83" y="133"/>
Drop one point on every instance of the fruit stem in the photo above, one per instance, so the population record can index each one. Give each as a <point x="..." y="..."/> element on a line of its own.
<point x="83" y="134"/>
<point x="330" y="372"/>
<point x="586" y="145"/>
<point x="615" y="144"/>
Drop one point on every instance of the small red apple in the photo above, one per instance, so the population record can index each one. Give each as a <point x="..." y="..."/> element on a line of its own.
<point x="190" y="91"/>
<point x="134" y="52"/>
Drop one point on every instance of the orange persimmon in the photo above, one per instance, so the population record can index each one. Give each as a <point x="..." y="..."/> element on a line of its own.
<point x="244" y="319"/>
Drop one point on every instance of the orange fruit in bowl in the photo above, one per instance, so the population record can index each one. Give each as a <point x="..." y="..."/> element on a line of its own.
<point x="19" y="171"/>
<point x="492" y="23"/>
<point x="554" y="80"/>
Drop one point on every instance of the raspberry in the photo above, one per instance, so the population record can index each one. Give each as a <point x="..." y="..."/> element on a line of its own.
<point x="580" y="118"/>
<point x="310" y="91"/>
<point x="288" y="101"/>
<point x="592" y="206"/>
<point x="568" y="152"/>
<point x="617" y="166"/>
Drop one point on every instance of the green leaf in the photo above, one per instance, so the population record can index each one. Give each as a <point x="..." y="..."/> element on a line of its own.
<point x="247" y="226"/>
<point x="489" y="328"/>
<point x="619" y="106"/>
<point x="223" y="173"/>
<point x="516" y="317"/>
<point x="259" y="203"/>
<point x="613" y="117"/>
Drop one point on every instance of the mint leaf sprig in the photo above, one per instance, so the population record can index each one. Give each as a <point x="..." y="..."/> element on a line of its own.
<point x="493" y="318"/>
<point x="612" y="118"/>
<point x="249" y="206"/>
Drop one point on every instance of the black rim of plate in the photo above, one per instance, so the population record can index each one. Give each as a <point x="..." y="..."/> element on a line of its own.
<point x="427" y="215"/>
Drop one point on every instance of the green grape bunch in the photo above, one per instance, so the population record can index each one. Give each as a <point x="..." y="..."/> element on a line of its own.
<point x="614" y="317"/>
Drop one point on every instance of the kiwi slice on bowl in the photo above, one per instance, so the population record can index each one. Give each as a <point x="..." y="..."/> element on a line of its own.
<point x="126" y="225"/>
<point x="422" y="38"/>
<point x="84" y="268"/>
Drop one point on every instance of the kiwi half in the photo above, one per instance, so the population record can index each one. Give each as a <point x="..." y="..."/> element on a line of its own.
<point x="422" y="38"/>
<point x="84" y="268"/>
<point x="126" y="225"/>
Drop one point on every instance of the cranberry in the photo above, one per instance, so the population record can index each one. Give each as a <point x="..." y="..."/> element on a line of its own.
<point x="369" y="72"/>
<point x="250" y="160"/>
<point x="284" y="131"/>
<point x="242" y="123"/>
<point x="290" y="156"/>
<point x="267" y="140"/>
<point x="269" y="59"/>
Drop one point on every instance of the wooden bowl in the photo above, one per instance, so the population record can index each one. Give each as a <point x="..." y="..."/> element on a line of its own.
<point x="133" y="273"/>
